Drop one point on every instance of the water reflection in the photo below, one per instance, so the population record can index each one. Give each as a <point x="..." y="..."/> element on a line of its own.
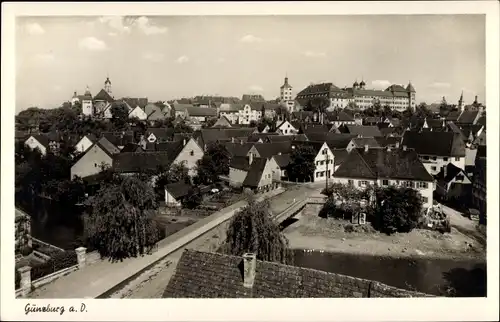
<point x="433" y="276"/>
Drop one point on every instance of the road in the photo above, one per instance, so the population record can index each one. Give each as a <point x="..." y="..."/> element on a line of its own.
<point x="463" y="224"/>
<point x="152" y="283"/>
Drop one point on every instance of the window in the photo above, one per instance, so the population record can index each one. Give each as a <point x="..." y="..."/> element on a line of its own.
<point x="409" y="184"/>
<point x="317" y="174"/>
<point x="425" y="199"/>
<point x="457" y="159"/>
<point x="385" y="182"/>
<point x="445" y="159"/>
<point x="434" y="158"/>
<point x="423" y="185"/>
<point x="459" y="177"/>
<point x="433" y="168"/>
<point x="350" y="182"/>
<point x="191" y="153"/>
<point x="322" y="162"/>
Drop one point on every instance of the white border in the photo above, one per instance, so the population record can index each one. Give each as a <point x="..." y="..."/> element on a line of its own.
<point x="279" y="309"/>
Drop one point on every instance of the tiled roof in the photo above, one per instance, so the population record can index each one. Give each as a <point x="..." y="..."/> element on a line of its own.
<point x="365" y="131"/>
<point x="136" y="162"/>
<point x="282" y="160"/>
<point x="224" y="134"/>
<point x="283" y="138"/>
<point x="335" y="140"/>
<point x="42" y="139"/>
<point x="255" y="172"/>
<point x="452" y="116"/>
<point x="380" y="163"/>
<point x="161" y="133"/>
<point x="107" y="146"/>
<point x="481" y="120"/>
<point x="361" y="142"/>
<point x="435" y="143"/>
<point x="133" y="102"/>
<point x="337" y="116"/>
<point x="267" y="150"/>
<point x="199" y="111"/>
<point x="222" y="122"/>
<point x="315" y="128"/>
<point x="240" y="163"/>
<point x="119" y="138"/>
<point x="396" y="88"/>
<point x="255" y="137"/>
<point x="238" y="149"/>
<point x="468" y="117"/>
<point x="173" y="148"/>
<point x="178" y="189"/>
<point x="315" y="89"/>
<point x="388" y="141"/>
<point x="451" y="172"/>
<point x="131" y="147"/>
<point x="302" y="115"/>
<point x="214" y="275"/>
<point x="103" y="96"/>
<point x="340" y="155"/>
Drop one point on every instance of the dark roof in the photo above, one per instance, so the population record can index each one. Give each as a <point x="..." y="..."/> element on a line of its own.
<point x="308" y="128"/>
<point x="284" y="138"/>
<point x="89" y="136"/>
<point x="365" y="131"/>
<point x="482" y="120"/>
<point x="43" y="139"/>
<point x="338" y="140"/>
<point x="255" y="172"/>
<point x="282" y="160"/>
<point x="173" y="148"/>
<point x="198" y="111"/>
<point x="435" y="143"/>
<point x="238" y="149"/>
<point x="240" y="163"/>
<point x="119" y="138"/>
<point x="371" y="120"/>
<point x="131" y="147"/>
<point x="380" y="163"/>
<point x="133" y="102"/>
<point x="323" y="89"/>
<point x="215" y="275"/>
<point x="267" y="150"/>
<point x="107" y="146"/>
<point x="222" y="122"/>
<point x="103" y="96"/>
<point x="224" y="134"/>
<point x="468" y="117"/>
<point x="178" y="189"/>
<point x="340" y="155"/>
<point x="337" y="116"/>
<point x="136" y="162"/>
<point x="452" y="116"/>
<point x="160" y="133"/>
<point x="451" y="172"/>
<point x="302" y="115"/>
<point x="315" y="145"/>
<point x="481" y="151"/>
<point x="361" y="142"/>
<point x="257" y="136"/>
<point x="388" y="141"/>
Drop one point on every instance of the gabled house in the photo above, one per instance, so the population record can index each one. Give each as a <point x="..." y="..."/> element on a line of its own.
<point x="392" y="121"/>
<point x="339" y="118"/>
<point x="231" y="111"/>
<point x="132" y="147"/>
<point x="213" y="135"/>
<point x="282" y="161"/>
<point x="94" y="159"/>
<point x="155" y="112"/>
<point x="286" y="128"/>
<point x="119" y="139"/>
<point x="102" y="104"/>
<point x="365" y="131"/>
<point x="222" y="121"/>
<point x="38" y="141"/>
<point x="189" y="155"/>
<point x="324" y="159"/>
<point x="132" y="162"/>
<point x="262" y="174"/>
<point x="468" y="117"/>
<point x="453" y="183"/>
<point x="436" y="149"/>
<point x="357" y="143"/>
<point x="198" y="114"/>
<point x="386" y="167"/>
<point x="175" y="193"/>
<point x="138" y="113"/>
<point x="154" y="134"/>
<point x="267" y="150"/>
<point x="85" y="143"/>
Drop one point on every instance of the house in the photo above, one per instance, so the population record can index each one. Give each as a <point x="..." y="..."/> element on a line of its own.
<point x="154" y="134"/>
<point x="102" y="104"/>
<point x="188" y="155"/>
<point x="436" y="149"/>
<point x="453" y="183"/>
<point x="155" y="112"/>
<point x="38" y="141"/>
<point x="199" y="114"/>
<point x="249" y="113"/>
<point x="85" y="143"/>
<point x="357" y="143"/>
<point x="479" y="187"/>
<point x="267" y="150"/>
<point x="222" y="121"/>
<point x="132" y="147"/>
<point x="238" y="169"/>
<point x="282" y="160"/>
<point x="119" y="139"/>
<point x="286" y="128"/>
<point x="94" y="159"/>
<point x="339" y="118"/>
<point x="324" y="159"/>
<point x="338" y="141"/>
<point x="231" y="111"/>
<point x="371" y="120"/>
<point x="365" y="131"/>
<point x="392" y="121"/>
<point x="303" y="116"/>
<point x="138" y="113"/>
<point x="212" y="135"/>
<point x="468" y="117"/>
<point x="386" y="167"/>
<point x="261" y="174"/>
<point x="132" y="162"/>
<point x="175" y="193"/>
<point x="284" y="138"/>
<point x="215" y="275"/>
<point x="239" y="149"/>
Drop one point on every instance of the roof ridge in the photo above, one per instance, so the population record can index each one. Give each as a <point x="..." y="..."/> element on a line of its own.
<point x="366" y="164"/>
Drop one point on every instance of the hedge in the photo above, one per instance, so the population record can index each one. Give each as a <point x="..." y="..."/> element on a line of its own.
<point x="56" y="263"/>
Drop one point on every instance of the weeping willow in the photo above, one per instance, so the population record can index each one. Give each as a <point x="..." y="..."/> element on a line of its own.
<point x="252" y="230"/>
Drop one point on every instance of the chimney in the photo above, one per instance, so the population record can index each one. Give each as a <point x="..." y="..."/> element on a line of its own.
<point x="388" y="148"/>
<point x="367" y="148"/>
<point x="250" y="158"/>
<point x="404" y="147"/>
<point x="249" y="262"/>
<point x="232" y="140"/>
<point x="397" y="145"/>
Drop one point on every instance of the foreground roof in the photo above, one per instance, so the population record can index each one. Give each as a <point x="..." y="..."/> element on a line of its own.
<point x="435" y="143"/>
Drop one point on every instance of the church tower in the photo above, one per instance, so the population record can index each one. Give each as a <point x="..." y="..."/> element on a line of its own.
<point x="460" y="105"/>
<point x="107" y="86"/>
<point x="87" y="106"/>
<point x="286" y="95"/>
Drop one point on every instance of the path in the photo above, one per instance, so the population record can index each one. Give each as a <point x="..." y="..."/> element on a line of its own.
<point x="463" y="224"/>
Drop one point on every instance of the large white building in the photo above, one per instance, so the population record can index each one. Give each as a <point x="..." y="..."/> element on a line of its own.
<point x="395" y="96"/>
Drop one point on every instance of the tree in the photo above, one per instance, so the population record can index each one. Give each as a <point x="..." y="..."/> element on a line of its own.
<point x="120" y="223"/>
<point x="318" y="104"/>
<point x="178" y="172"/>
<point x="209" y="122"/>
<point x="397" y="209"/>
<point x="182" y="127"/>
<point x="215" y="162"/>
<point x="252" y="230"/>
<point x="193" y="198"/>
<point x="301" y="166"/>
<point x="119" y="111"/>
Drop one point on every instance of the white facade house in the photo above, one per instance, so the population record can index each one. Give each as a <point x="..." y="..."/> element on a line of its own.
<point x="286" y="128"/>
<point x="84" y="144"/>
<point x="248" y="114"/>
<point x="325" y="165"/>
<point x="138" y="113"/>
<point x="37" y="142"/>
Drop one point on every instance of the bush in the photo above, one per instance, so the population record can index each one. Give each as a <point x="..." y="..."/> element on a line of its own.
<point x="193" y="198"/>
<point x="56" y="263"/>
<point x="349" y="228"/>
<point x="18" y="279"/>
<point x="26" y="250"/>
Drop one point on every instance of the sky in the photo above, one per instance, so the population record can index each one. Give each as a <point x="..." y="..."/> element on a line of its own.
<point x="167" y="57"/>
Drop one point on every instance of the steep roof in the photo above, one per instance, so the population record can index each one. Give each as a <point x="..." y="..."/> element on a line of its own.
<point x="136" y="162"/>
<point x="161" y="133"/>
<point x="215" y="275"/>
<point x="255" y="172"/>
<point x="136" y="101"/>
<point x="338" y="116"/>
<point x="450" y="173"/>
<point x="238" y="149"/>
<point x="107" y="146"/>
<point x="240" y="163"/>
<point x="197" y="111"/>
<point x="178" y="189"/>
<point x="224" y="134"/>
<point x="362" y="130"/>
<point x="380" y="163"/>
<point x="131" y="147"/>
<point x="284" y="138"/>
<point x="267" y="150"/>
<point x="388" y="141"/>
<point x="334" y="140"/>
<point x="468" y="117"/>
<point x="282" y="160"/>
<point x="340" y="155"/>
<point x="119" y="138"/>
<point x="222" y="122"/>
<point x="42" y="139"/>
<point x="103" y="96"/>
<point x="435" y="143"/>
<point x="361" y="142"/>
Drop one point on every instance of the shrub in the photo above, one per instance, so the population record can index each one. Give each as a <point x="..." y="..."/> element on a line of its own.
<point x="193" y="198"/>
<point x="26" y="250"/>
<point x="349" y="228"/>
<point x="18" y="279"/>
<point x="56" y="263"/>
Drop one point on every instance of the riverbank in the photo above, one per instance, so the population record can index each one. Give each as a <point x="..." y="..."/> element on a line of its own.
<point x="311" y="232"/>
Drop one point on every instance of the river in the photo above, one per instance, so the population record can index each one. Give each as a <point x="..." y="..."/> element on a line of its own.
<point x="427" y="275"/>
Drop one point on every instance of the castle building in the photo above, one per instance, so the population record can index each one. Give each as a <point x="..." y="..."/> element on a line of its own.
<point x="395" y="96"/>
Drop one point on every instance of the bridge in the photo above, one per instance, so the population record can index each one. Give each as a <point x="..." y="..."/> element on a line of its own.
<point x="296" y="205"/>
